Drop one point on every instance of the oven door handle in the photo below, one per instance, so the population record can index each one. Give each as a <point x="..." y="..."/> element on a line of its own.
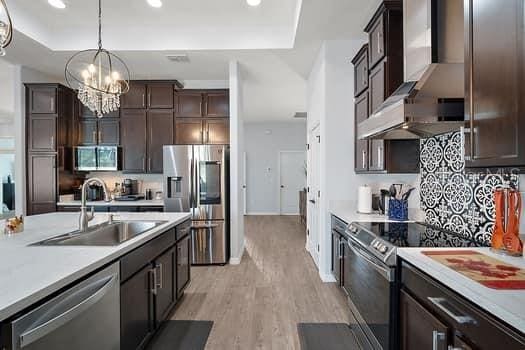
<point x="385" y="272"/>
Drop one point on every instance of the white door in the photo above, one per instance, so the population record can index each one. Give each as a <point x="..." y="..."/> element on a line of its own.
<point x="314" y="173"/>
<point x="292" y="179"/>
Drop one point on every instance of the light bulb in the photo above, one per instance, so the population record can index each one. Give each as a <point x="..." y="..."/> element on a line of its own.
<point x="115" y="75"/>
<point x="91" y="68"/>
<point x="85" y="74"/>
<point x="107" y="79"/>
<point x="155" y="3"/>
<point x="253" y="2"/>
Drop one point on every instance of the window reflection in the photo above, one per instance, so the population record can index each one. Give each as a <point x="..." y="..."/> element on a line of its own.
<point x="7" y="172"/>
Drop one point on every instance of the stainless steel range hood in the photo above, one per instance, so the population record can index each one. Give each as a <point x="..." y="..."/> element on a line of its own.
<point x="431" y="101"/>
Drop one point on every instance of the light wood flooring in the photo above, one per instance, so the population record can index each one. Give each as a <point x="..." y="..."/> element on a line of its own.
<point x="257" y="304"/>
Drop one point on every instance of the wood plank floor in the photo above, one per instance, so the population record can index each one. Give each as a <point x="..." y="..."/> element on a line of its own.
<point x="257" y="304"/>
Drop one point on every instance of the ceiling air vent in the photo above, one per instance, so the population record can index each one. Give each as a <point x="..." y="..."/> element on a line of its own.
<point x="300" y="115"/>
<point x="181" y="58"/>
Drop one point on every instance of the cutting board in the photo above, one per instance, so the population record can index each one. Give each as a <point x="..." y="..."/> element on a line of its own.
<point x="481" y="268"/>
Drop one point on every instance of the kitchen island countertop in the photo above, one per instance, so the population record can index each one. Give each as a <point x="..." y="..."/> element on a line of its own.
<point x="31" y="273"/>
<point x="113" y="203"/>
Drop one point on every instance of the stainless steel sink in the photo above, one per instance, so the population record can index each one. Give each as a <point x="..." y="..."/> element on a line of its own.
<point x="106" y="234"/>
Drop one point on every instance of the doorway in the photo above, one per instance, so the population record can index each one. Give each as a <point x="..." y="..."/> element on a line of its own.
<point x="314" y="174"/>
<point x="292" y="180"/>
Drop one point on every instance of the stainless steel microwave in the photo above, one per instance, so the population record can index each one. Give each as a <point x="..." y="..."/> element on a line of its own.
<point x="97" y="158"/>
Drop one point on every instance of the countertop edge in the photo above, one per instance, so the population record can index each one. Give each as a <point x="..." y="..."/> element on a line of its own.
<point x="35" y="297"/>
<point x="462" y="286"/>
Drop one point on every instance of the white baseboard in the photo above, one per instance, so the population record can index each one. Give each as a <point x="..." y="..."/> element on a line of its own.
<point x="327" y="278"/>
<point x="258" y="213"/>
<point x="293" y="214"/>
<point x="235" y="261"/>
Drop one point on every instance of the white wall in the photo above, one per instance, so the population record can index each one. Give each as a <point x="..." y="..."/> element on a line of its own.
<point x="331" y="105"/>
<point x="263" y="142"/>
<point x="236" y="165"/>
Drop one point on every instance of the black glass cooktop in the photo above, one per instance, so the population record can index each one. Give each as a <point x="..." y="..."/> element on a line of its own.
<point x="402" y="234"/>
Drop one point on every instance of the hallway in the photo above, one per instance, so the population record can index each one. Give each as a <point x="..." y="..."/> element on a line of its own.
<point x="258" y="304"/>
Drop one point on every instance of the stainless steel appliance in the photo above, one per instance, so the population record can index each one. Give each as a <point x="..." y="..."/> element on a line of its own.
<point x="97" y="158"/>
<point x="196" y="180"/>
<point x="85" y="316"/>
<point x="370" y="273"/>
<point x="431" y="101"/>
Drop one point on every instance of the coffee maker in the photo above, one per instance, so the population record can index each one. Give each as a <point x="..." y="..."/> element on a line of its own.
<point x="130" y="187"/>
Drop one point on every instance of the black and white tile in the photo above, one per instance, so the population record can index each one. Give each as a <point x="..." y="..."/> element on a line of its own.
<point x="453" y="199"/>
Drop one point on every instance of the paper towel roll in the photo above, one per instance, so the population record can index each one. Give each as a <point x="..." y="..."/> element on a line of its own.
<point x="364" y="200"/>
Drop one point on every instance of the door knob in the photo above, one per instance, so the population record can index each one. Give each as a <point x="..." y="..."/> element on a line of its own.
<point x="282" y="186"/>
<point x="312" y="201"/>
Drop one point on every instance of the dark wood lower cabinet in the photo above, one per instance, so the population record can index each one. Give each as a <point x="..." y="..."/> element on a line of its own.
<point x="419" y="328"/>
<point x="136" y="313"/>
<point x="165" y="285"/>
<point x="153" y="278"/>
<point x="183" y="265"/>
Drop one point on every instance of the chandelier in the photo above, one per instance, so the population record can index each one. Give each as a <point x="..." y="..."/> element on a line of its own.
<point x="99" y="75"/>
<point x="6" y="27"/>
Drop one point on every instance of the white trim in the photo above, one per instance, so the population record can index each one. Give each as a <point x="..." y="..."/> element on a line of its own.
<point x="256" y="213"/>
<point x="235" y="261"/>
<point x="290" y="214"/>
<point x="327" y="278"/>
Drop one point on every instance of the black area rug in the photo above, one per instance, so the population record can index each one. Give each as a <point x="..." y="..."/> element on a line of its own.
<point x="326" y="336"/>
<point x="182" y="335"/>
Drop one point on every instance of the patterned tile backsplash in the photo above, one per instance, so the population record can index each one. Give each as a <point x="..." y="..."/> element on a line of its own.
<point x="453" y="199"/>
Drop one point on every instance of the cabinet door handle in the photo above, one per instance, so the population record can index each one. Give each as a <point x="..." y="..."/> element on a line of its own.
<point x="159" y="284"/>
<point x="461" y="319"/>
<point x="144" y="163"/>
<point x="379" y="160"/>
<point x="149" y="99"/>
<point x="202" y="136"/>
<point x="364" y="159"/>
<point x="94" y="136"/>
<point x="200" y="108"/>
<point x="143" y="100"/>
<point x="153" y="274"/>
<point x="207" y="136"/>
<point x="437" y="337"/>
<point x="379" y="38"/>
<point x="99" y="136"/>
<point x="365" y="78"/>
<point x="52" y="142"/>
<point x="149" y="163"/>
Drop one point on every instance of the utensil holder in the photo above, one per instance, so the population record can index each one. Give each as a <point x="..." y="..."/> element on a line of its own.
<point x="398" y="209"/>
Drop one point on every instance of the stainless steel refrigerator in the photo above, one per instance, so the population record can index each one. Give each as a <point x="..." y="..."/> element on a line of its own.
<point x="196" y="180"/>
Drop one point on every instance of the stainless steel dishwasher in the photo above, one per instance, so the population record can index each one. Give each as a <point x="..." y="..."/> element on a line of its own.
<point x="86" y="316"/>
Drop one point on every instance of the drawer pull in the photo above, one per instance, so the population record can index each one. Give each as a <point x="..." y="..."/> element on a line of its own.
<point x="461" y="319"/>
<point x="437" y="337"/>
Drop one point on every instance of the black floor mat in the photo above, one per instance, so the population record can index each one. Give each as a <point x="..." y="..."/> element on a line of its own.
<point x="326" y="336"/>
<point x="182" y="335"/>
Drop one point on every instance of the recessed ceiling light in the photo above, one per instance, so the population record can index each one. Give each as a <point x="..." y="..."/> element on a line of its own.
<point x="155" y="3"/>
<point x="59" y="4"/>
<point x="253" y="2"/>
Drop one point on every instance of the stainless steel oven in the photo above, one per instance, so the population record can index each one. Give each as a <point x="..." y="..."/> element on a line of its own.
<point x="371" y="289"/>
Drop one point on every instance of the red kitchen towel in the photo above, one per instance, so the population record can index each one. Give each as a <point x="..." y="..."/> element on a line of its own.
<point x="481" y="268"/>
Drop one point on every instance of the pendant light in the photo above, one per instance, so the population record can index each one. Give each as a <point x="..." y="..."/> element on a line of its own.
<point x="100" y="76"/>
<point x="6" y="28"/>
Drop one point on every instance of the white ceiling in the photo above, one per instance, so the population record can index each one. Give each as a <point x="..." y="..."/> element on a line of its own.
<point x="275" y="64"/>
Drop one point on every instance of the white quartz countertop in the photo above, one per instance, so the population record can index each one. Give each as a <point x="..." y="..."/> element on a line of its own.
<point x="347" y="211"/>
<point x="507" y="305"/>
<point x="31" y="273"/>
<point x="139" y="203"/>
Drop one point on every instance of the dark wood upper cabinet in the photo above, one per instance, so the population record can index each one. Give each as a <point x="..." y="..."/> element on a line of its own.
<point x="135" y="97"/>
<point x="217" y="104"/>
<point x="188" y="131"/>
<point x="42" y="183"/>
<point x="42" y="133"/>
<point x="378" y="92"/>
<point x="160" y="95"/>
<point x="217" y="131"/>
<point x="133" y="128"/>
<point x="160" y="133"/>
<point x="419" y="328"/>
<point x="385" y="32"/>
<point x="87" y="132"/>
<point x="361" y="146"/>
<point x="494" y="103"/>
<point x="360" y="62"/>
<point x="43" y="99"/>
<point x="190" y="104"/>
<point x="108" y="133"/>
